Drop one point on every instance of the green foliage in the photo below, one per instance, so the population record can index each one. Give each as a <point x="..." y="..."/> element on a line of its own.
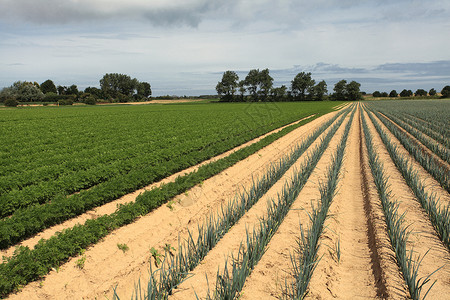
<point x="48" y="87"/>
<point x="432" y="92"/>
<point x="302" y="86"/>
<point x="421" y="92"/>
<point x="226" y="88"/>
<point x="393" y="94"/>
<point x="258" y="83"/>
<point x="123" y="247"/>
<point x="406" y="93"/>
<point x="22" y="91"/>
<point x="446" y="92"/>
<point x="11" y="102"/>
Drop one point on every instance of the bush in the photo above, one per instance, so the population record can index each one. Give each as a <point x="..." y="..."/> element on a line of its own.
<point x="90" y="100"/>
<point x="446" y="92"/>
<point x="11" y="102"/>
<point x="65" y="102"/>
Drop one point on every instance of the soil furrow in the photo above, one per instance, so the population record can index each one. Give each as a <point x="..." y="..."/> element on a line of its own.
<point x="423" y="240"/>
<point x="162" y="226"/>
<point x="348" y="267"/>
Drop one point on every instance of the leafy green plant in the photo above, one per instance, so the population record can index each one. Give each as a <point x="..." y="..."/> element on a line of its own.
<point x="123" y="247"/>
<point x="157" y="257"/>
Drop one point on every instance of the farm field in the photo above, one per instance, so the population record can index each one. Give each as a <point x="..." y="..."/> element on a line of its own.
<point x="347" y="203"/>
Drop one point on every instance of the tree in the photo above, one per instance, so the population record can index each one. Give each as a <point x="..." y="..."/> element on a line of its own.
<point x="301" y="84"/>
<point x="252" y="82"/>
<point x="432" y="92"/>
<point x="376" y="94"/>
<point x="393" y="94"/>
<point x="384" y="94"/>
<point x="340" y="90"/>
<point x="353" y="91"/>
<point x="48" y="87"/>
<point x="61" y="90"/>
<point x="320" y="90"/>
<point x="144" y="90"/>
<point x="227" y="86"/>
<point x="22" y="91"/>
<point x="114" y="84"/>
<point x="279" y="93"/>
<point x="72" y="90"/>
<point x="446" y="92"/>
<point x="96" y="92"/>
<point x="242" y="90"/>
<point x="406" y="93"/>
<point x="421" y="92"/>
<point x="265" y="82"/>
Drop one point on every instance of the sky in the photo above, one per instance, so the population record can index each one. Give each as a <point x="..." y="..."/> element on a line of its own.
<point x="182" y="47"/>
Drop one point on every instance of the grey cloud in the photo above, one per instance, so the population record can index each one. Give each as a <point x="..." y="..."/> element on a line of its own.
<point x="69" y="11"/>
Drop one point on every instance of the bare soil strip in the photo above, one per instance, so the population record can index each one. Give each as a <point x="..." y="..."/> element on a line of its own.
<point x="355" y="254"/>
<point x="269" y="275"/>
<point x="424" y="241"/>
<point x="111" y="207"/>
<point x="106" y="266"/>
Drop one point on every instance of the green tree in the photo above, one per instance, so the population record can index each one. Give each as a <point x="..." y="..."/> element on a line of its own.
<point x="22" y="91"/>
<point x="279" y="93"/>
<point x="116" y="85"/>
<point x="144" y="90"/>
<point x="252" y="82"/>
<point x="320" y="90"/>
<point x="421" y="92"/>
<point x="48" y="87"/>
<point x="376" y="94"/>
<point x="96" y="92"/>
<point x="353" y="91"/>
<point x="406" y="93"/>
<point x="384" y="94"/>
<point x="265" y="82"/>
<point x="393" y="94"/>
<point x="340" y="90"/>
<point x="72" y="90"/>
<point x="242" y="90"/>
<point x="302" y="84"/>
<point x="432" y="92"/>
<point x="227" y="86"/>
<point x="446" y="92"/>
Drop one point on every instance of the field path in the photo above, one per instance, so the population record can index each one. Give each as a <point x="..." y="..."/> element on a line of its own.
<point x="106" y="266"/>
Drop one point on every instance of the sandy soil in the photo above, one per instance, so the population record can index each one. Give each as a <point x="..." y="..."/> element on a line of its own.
<point x="111" y="207"/>
<point x="362" y="267"/>
<point x="423" y="239"/>
<point x="106" y="266"/>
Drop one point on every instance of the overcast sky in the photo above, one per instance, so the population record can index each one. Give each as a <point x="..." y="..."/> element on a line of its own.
<point x="183" y="46"/>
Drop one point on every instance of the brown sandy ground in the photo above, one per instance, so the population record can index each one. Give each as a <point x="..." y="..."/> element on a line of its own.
<point x="355" y="255"/>
<point x="111" y="207"/>
<point x="231" y="241"/>
<point x="423" y="239"/>
<point x="106" y="266"/>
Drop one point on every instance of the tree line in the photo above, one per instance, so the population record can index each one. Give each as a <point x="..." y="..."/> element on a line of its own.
<point x="114" y="87"/>
<point x="258" y="86"/>
<point x="445" y="93"/>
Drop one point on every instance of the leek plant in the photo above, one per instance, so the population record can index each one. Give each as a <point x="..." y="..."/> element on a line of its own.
<point x="439" y="215"/>
<point x="229" y="283"/>
<point x="397" y="231"/>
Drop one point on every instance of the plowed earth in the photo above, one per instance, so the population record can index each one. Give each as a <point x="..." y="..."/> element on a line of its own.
<point x="356" y="257"/>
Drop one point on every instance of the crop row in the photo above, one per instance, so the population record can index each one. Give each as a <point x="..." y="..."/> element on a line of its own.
<point x="397" y="231"/>
<point x="428" y="162"/>
<point x="27" y="265"/>
<point x="438" y="149"/>
<point x="438" y="215"/>
<point x="191" y="252"/>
